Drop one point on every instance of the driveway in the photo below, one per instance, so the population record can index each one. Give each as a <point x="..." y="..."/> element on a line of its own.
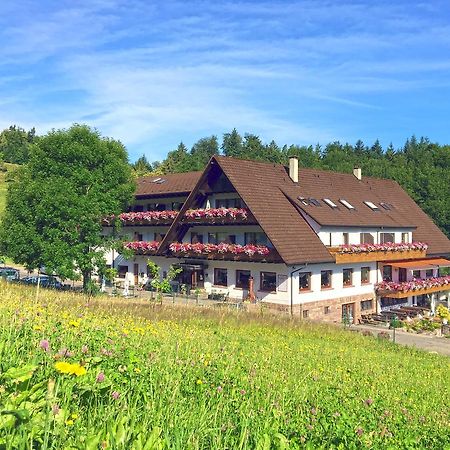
<point x="422" y="341"/>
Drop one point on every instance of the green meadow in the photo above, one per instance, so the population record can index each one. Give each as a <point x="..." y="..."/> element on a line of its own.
<point x="80" y="373"/>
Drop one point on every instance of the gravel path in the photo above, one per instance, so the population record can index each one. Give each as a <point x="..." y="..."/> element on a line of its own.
<point x="422" y="341"/>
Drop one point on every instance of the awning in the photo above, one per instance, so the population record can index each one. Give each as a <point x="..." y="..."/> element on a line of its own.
<point x="417" y="264"/>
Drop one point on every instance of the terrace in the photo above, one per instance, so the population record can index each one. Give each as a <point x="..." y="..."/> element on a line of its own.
<point x="378" y="252"/>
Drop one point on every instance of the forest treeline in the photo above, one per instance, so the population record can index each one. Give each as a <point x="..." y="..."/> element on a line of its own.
<point x="420" y="166"/>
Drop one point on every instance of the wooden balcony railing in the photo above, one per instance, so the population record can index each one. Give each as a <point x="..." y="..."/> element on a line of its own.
<point x="219" y="216"/>
<point x="378" y="252"/>
<point x="415" y="287"/>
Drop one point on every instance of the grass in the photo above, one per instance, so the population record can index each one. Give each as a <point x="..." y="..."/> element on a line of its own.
<point x="136" y="376"/>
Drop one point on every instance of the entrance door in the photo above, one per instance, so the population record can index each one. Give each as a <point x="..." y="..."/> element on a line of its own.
<point x="136" y="274"/>
<point x="348" y="313"/>
<point x="197" y="278"/>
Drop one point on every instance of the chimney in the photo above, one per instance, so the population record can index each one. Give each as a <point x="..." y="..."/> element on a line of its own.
<point x="357" y="172"/>
<point x="293" y="168"/>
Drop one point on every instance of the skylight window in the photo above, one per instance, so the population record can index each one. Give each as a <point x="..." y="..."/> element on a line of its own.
<point x="372" y="206"/>
<point x="386" y="206"/>
<point x="303" y="201"/>
<point x="313" y="201"/>
<point x="330" y="203"/>
<point x="346" y="204"/>
<point x="158" y="180"/>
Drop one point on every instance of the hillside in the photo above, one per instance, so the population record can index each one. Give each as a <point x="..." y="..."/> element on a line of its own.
<point x="116" y="374"/>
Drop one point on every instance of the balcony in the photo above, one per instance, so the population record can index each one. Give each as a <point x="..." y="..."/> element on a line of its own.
<point x="415" y="287"/>
<point x="378" y="252"/>
<point x="219" y="216"/>
<point x="225" y="252"/>
<point x="142" y="247"/>
<point x="143" y="218"/>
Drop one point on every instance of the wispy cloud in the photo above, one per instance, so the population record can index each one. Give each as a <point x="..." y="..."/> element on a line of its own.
<point x="152" y="74"/>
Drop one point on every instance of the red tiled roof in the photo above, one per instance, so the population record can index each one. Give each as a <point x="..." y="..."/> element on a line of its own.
<point x="175" y="183"/>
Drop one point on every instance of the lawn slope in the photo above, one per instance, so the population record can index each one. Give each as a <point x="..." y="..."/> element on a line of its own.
<point x="113" y="374"/>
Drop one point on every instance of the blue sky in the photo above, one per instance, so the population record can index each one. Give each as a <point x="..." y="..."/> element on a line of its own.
<point x="154" y="73"/>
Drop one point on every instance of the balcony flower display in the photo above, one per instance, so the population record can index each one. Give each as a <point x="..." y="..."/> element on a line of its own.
<point x="142" y="246"/>
<point x="218" y="213"/>
<point x="388" y="247"/>
<point x="233" y="249"/>
<point x="143" y="218"/>
<point x="416" y="284"/>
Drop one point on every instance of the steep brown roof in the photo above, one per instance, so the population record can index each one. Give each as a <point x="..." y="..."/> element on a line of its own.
<point x="273" y="198"/>
<point x="260" y="186"/>
<point x="335" y="186"/>
<point x="174" y="184"/>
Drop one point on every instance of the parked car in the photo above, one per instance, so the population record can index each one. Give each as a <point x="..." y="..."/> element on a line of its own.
<point x="46" y="281"/>
<point x="9" y="273"/>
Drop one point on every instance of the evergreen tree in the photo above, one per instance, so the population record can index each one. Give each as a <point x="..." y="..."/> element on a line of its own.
<point x="232" y="144"/>
<point x="202" y="151"/>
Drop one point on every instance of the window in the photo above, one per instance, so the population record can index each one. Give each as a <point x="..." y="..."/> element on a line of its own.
<point x="416" y="273"/>
<point x="220" y="277"/>
<point x="217" y="238"/>
<point x="386" y="206"/>
<point x="159" y="237"/>
<point x="314" y="202"/>
<point x="405" y="238"/>
<point x="366" y="304"/>
<point x="326" y="310"/>
<point x="402" y="275"/>
<point x="348" y="277"/>
<point x="365" y="275"/>
<point x="196" y="238"/>
<point x="330" y="203"/>
<point x="366" y="238"/>
<point x="304" y="281"/>
<point x="325" y="279"/>
<point x="346" y="238"/>
<point x="429" y="273"/>
<point x="385" y="238"/>
<point x="138" y="237"/>
<point x="268" y="281"/>
<point x="156" y="207"/>
<point x="387" y="273"/>
<point x="138" y="208"/>
<point x="255" y="238"/>
<point x="372" y="206"/>
<point x="305" y="314"/>
<point x="176" y="206"/>
<point x="346" y="204"/>
<point x="122" y="271"/>
<point x="228" y="203"/>
<point x="242" y="277"/>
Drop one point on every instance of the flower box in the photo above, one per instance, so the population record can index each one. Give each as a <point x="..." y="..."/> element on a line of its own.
<point x="221" y="216"/>
<point x="143" y="218"/>
<point x="142" y="247"/>
<point x="414" y="287"/>
<point x="378" y="252"/>
<point x="229" y="252"/>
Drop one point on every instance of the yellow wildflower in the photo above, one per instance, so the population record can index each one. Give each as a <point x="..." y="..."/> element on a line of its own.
<point x="137" y="370"/>
<point x="69" y="422"/>
<point x="74" y="323"/>
<point x="71" y="369"/>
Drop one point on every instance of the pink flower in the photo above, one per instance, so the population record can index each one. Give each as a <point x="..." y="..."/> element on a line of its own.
<point x="84" y="349"/>
<point x="368" y="402"/>
<point x="100" y="377"/>
<point x="115" y="395"/>
<point x="45" y="345"/>
<point x="55" y="410"/>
